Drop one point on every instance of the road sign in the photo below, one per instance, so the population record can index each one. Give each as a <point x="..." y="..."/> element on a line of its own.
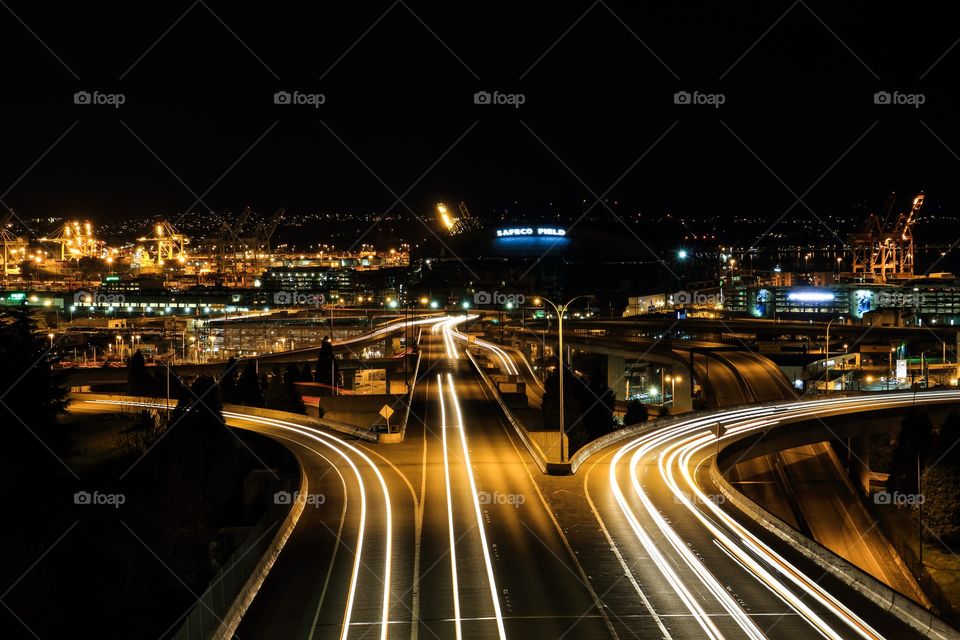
<point x="386" y="412"/>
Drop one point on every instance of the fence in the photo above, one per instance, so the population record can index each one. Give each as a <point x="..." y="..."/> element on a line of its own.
<point x="907" y="549"/>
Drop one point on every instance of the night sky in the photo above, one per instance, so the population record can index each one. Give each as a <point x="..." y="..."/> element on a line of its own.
<point x="598" y="80"/>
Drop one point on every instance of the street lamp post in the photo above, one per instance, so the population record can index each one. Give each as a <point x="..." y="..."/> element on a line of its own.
<point x="827" y="356"/>
<point x="562" y="309"/>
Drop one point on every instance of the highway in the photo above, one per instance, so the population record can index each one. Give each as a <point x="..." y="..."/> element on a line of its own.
<point x="655" y="498"/>
<point x="336" y="572"/>
<point x="454" y="533"/>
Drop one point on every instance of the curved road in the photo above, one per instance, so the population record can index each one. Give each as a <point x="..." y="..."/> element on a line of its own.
<point x="454" y="533"/>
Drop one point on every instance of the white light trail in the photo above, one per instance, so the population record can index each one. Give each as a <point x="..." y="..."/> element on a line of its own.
<point x="674" y="448"/>
<point x="476" y="505"/>
<point x="334" y="443"/>
<point x="453" y="543"/>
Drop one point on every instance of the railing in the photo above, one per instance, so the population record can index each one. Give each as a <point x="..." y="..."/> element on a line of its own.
<point x="212" y="611"/>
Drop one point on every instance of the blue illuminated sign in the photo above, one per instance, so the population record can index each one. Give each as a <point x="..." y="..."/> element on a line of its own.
<point x="530" y="231"/>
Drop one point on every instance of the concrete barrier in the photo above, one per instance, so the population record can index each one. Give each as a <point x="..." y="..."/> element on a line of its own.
<point x="268" y="556"/>
<point x="923" y="621"/>
<point x="545" y="466"/>
<point x="398" y="436"/>
<point x="334" y="425"/>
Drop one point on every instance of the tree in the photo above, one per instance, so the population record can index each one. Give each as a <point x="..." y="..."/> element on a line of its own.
<point x="249" y="391"/>
<point x="551" y="400"/>
<point x="164" y="379"/>
<point x="306" y="375"/>
<point x="283" y="395"/>
<point x="291" y="373"/>
<point x="941" y="505"/>
<point x="326" y="369"/>
<point x="636" y="413"/>
<point x="139" y="380"/>
<point x="598" y="400"/>
<point x="33" y="395"/>
<point x="941" y="485"/>
<point x="199" y="450"/>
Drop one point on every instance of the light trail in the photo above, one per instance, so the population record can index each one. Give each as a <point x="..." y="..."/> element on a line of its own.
<point x="674" y="449"/>
<point x="476" y="504"/>
<point x="453" y="543"/>
<point x="447" y="329"/>
<point x="340" y="446"/>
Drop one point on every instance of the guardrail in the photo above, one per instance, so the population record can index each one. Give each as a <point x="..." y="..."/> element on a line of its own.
<point x="595" y="446"/>
<point x="908" y="553"/>
<point x="218" y="612"/>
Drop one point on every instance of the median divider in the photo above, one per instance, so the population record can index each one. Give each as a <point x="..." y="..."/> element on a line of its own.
<point x="546" y="466"/>
<point x="918" y="618"/>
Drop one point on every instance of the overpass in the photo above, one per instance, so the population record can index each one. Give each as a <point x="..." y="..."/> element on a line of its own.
<point x="454" y="533"/>
<point x="84" y="376"/>
<point x="726" y="375"/>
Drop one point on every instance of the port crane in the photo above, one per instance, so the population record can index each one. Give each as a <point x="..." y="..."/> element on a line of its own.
<point x="883" y="250"/>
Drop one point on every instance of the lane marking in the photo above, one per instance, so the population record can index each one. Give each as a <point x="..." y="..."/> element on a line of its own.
<point x="476" y="504"/>
<point x="453" y="542"/>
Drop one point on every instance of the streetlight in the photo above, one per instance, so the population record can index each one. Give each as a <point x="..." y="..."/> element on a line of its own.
<point x="826" y="381"/>
<point x="50" y="335"/>
<point x="562" y="309"/>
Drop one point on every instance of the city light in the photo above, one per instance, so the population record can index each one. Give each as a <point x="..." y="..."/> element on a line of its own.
<point x="811" y="296"/>
<point x="445" y="216"/>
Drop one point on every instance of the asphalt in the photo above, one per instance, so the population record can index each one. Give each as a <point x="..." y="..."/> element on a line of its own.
<point x="455" y="534"/>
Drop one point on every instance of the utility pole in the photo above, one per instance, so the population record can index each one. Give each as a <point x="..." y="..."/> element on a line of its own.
<point x="168" y="392"/>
